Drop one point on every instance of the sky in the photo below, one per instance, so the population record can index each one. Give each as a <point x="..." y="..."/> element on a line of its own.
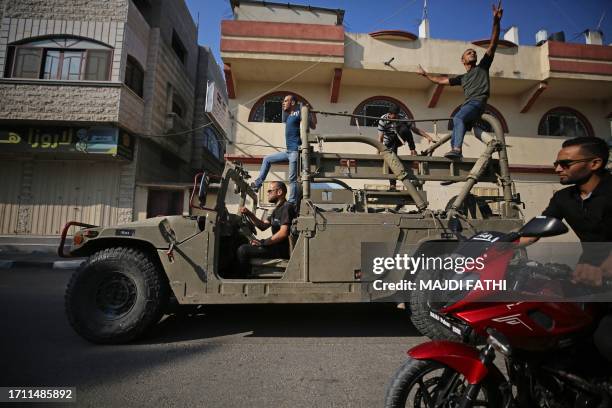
<point x="466" y="20"/>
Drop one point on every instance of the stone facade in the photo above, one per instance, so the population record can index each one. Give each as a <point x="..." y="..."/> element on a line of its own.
<point x="110" y="10"/>
<point x="59" y="103"/>
<point x="131" y="111"/>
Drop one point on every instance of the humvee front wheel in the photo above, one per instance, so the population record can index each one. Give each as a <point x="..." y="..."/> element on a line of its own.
<point x="421" y="304"/>
<point x="115" y="296"/>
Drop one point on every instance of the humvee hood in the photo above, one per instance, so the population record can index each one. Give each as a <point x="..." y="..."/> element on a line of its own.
<point x="149" y="230"/>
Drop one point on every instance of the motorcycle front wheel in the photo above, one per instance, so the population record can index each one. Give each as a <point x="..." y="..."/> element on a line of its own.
<point x="429" y="384"/>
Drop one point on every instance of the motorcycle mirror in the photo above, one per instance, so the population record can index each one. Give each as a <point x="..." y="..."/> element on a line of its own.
<point x="203" y="188"/>
<point x="542" y="226"/>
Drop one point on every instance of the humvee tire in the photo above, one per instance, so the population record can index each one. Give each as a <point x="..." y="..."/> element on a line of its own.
<point x="424" y="323"/>
<point x="420" y="306"/>
<point x="115" y="296"/>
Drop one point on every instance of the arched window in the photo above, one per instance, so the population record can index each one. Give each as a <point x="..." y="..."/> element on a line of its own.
<point x="564" y="121"/>
<point x="377" y="106"/>
<point x="134" y="75"/>
<point x="269" y="108"/>
<point x="59" y="58"/>
<point x="481" y="123"/>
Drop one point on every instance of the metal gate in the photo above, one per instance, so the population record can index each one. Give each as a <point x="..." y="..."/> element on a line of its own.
<point x="10" y="183"/>
<point x="37" y="198"/>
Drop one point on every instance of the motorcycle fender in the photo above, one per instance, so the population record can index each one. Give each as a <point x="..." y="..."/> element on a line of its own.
<point x="458" y="356"/>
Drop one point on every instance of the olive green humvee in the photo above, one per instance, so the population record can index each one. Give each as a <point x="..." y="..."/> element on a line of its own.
<point x="133" y="270"/>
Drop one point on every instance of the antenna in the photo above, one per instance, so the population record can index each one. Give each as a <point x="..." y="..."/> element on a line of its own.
<point x="603" y="15"/>
<point x="424" y="10"/>
<point x="198" y="26"/>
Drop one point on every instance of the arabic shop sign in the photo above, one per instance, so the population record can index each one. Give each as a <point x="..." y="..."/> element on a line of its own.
<point x="93" y="140"/>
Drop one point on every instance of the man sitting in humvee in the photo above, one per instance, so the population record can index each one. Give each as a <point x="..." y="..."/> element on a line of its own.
<point x="277" y="246"/>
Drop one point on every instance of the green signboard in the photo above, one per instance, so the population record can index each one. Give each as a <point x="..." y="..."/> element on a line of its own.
<point x="96" y="140"/>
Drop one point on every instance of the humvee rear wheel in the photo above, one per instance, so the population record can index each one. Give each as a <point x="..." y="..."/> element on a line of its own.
<point x="115" y="296"/>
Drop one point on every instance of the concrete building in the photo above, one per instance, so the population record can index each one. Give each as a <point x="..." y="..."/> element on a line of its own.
<point x="96" y="97"/>
<point x="541" y="94"/>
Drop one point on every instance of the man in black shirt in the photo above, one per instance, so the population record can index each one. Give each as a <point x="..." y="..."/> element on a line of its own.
<point x="476" y="87"/>
<point x="277" y="246"/>
<point x="393" y="134"/>
<point x="587" y="207"/>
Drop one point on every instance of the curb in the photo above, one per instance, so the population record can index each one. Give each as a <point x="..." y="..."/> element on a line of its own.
<point x="72" y="264"/>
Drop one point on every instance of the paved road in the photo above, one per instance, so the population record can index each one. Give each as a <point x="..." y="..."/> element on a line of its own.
<point x="227" y="356"/>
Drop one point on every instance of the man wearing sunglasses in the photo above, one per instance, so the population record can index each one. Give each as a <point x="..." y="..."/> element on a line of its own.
<point x="587" y="207"/>
<point x="277" y="246"/>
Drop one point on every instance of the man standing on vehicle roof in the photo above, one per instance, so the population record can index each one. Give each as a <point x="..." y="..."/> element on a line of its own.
<point x="291" y="117"/>
<point x="394" y="134"/>
<point x="476" y="87"/>
<point x="587" y="207"/>
<point x="277" y="246"/>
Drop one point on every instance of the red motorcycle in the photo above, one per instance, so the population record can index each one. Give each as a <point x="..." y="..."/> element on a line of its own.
<point x="550" y="360"/>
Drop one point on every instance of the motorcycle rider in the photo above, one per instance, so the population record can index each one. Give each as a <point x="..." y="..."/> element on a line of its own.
<point x="587" y="207"/>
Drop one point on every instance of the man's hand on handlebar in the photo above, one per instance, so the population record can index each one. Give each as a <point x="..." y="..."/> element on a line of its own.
<point x="588" y="275"/>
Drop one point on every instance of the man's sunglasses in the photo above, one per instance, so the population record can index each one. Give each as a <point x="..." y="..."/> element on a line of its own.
<point x="565" y="164"/>
<point x="274" y="189"/>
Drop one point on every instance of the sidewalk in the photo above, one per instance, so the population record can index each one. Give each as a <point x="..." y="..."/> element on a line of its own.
<point x="34" y="252"/>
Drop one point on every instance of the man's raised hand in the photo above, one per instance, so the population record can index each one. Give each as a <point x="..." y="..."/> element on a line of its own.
<point x="498" y="11"/>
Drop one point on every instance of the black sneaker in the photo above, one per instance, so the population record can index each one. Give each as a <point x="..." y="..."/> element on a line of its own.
<point x="453" y="155"/>
<point x="254" y="187"/>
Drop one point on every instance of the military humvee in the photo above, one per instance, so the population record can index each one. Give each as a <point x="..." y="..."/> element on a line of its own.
<point x="133" y="270"/>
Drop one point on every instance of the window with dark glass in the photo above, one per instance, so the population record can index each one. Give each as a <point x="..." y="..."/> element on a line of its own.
<point x="376" y="107"/>
<point x="27" y="62"/>
<point x="10" y="58"/>
<point x="59" y="59"/>
<point x="71" y="65"/>
<point x="134" y="76"/>
<point x="178" y="106"/>
<point x="563" y="122"/>
<point x="51" y="67"/>
<point x="269" y="109"/>
<point x="178" y="47"/>
<point x="212" y="142"/>
<point x="97" y="65"/>
<point x="144" y="6"/>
